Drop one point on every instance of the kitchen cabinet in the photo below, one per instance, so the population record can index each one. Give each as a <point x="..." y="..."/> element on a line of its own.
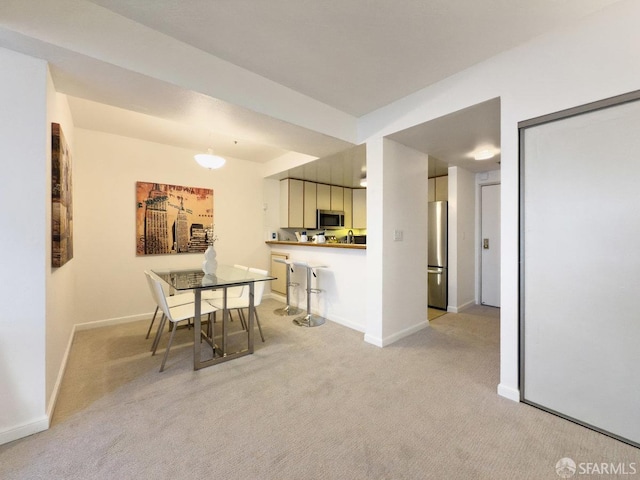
<point x="279" y="270"/>
<point x="442" y="188"/>
<point x="337" y="198"/>
<point x="359" y="208"/>
<point x="348" y="208"/>
<point x="323" y="196"/>
<point x="438" y="189"/>
<point x="291" y="203"/>
<point x="310" y="205"/>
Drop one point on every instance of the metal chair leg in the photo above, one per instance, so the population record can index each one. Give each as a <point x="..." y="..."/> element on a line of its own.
<point x="166" y="353"/>
<point x="255" y="312"/>
<point x="152" y="320"/>
<point x="156" y="341"/>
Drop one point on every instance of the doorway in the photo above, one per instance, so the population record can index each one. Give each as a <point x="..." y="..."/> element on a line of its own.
<point x="490" y="245"/>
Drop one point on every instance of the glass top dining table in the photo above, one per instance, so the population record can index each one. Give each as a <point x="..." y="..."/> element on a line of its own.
<point x="225" y="276"/>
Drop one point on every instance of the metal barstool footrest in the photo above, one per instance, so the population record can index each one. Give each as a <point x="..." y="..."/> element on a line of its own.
<point x="288" y="309"/>
<point x="309" y="320"/>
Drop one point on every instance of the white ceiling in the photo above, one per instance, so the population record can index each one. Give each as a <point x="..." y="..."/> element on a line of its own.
<point x="256" y="79"/>
<point x="356" y="55"/>
<point x="455" y="138"/>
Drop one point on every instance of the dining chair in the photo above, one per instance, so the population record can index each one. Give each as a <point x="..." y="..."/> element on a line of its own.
<point x="232" y="292"/>
<point x="174" y="314"/>
<point x="172" y="300"/>
<point x="242" y="302"/>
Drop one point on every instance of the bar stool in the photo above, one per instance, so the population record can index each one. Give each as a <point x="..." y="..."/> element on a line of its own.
<point x="309" y="320"/>
<point x="289" y="309"/>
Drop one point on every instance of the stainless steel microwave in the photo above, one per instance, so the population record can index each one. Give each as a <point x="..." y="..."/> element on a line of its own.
<point x="330" y="219"/>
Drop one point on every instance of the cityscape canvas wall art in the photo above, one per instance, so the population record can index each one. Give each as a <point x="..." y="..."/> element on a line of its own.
<point x="61" y="199"/>
<point x="172" y="219"/>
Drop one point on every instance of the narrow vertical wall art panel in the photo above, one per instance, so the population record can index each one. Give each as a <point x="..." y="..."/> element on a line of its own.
<point x="172" y="219"/>
<point x="61" y="199"/>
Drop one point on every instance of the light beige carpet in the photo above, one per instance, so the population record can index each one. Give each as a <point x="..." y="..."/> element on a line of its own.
<point x="311" y="403"/>
<point x="433" y="313"/>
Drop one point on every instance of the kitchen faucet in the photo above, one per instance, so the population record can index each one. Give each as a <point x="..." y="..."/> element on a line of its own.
<point x="350" y="236"/>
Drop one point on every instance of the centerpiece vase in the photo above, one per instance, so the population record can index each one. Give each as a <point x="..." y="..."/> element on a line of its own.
<point x="210" y="263"/>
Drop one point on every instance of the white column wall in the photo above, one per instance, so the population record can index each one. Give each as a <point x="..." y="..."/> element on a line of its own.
<point x="110" y="281"/>
<point x="375" y="242"/>
<point x="462" y="264"/>
<point x="584" y="62"/>
<point x="60" y="282"/>
<point x="22" y="245"/>
<point x="401" y="175"/>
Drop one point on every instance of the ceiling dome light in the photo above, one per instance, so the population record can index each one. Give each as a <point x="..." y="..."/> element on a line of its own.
<point x="209" y="160"/>
<point x="483" y="155"/>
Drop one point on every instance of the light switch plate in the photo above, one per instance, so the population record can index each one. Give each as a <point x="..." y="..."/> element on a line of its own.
<point x="397" y="235"/>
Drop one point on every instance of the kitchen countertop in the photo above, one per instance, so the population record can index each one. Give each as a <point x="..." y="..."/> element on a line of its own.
<point x="321" y="245"/>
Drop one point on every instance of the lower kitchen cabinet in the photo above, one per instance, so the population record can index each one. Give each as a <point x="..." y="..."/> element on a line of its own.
<point x="279" y="270"/>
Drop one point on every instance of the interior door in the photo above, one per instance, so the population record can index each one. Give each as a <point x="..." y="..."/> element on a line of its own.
<point x="490" y="248"/>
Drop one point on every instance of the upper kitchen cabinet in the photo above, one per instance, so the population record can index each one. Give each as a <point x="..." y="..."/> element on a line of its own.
<point x="359" y="208"/>
<point x="348" y="208"/>
<point x="310" y="204"/>
<point x="291" y="203"/>
<point x="337" y="198"/>
<point x="324" y="197"/>
<point x="442" y="188"/>
<point x="438" y="189"/>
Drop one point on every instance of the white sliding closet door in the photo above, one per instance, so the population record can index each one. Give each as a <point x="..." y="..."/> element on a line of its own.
<point x="580" y="232"/>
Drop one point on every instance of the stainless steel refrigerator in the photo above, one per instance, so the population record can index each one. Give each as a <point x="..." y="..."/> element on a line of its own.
<point x="437" y="258"/>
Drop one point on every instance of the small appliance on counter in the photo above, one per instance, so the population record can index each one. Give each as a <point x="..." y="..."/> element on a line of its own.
<point x="320" y="238"/>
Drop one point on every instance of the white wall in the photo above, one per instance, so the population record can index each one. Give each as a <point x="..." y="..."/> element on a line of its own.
<point x="397" y="201"/>
<point x="60" y="282"/>
<point x="585" y="62"/>
<point x="107" y="168"/>
<point x="23" y="251"/>
<point x="461" y="239"/>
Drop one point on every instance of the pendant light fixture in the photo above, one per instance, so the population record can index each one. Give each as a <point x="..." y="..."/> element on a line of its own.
<point x="209" y="160"/>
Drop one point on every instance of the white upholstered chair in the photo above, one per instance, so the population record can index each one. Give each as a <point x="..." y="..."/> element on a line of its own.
<point x="172" y="300"/>
<point x="174" y="314"/>
<point x="241" y="302"/>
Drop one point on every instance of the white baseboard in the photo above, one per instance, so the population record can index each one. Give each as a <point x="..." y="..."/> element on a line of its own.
<point x="275" y="296"/>
<point x="383" y="342"/>
<point x="509" y="392"/>
<point x="461" y="308"/>
<point x="39" y="425"/>
<point x="377" y="341"/>
<point x="113" y="321"/>
<point x="347" y="323"/>
<point x="63" y="368"/>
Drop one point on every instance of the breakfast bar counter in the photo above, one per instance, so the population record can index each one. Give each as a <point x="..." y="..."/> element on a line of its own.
<point x="342" y="282"/>
<point x="321" y="245"/>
